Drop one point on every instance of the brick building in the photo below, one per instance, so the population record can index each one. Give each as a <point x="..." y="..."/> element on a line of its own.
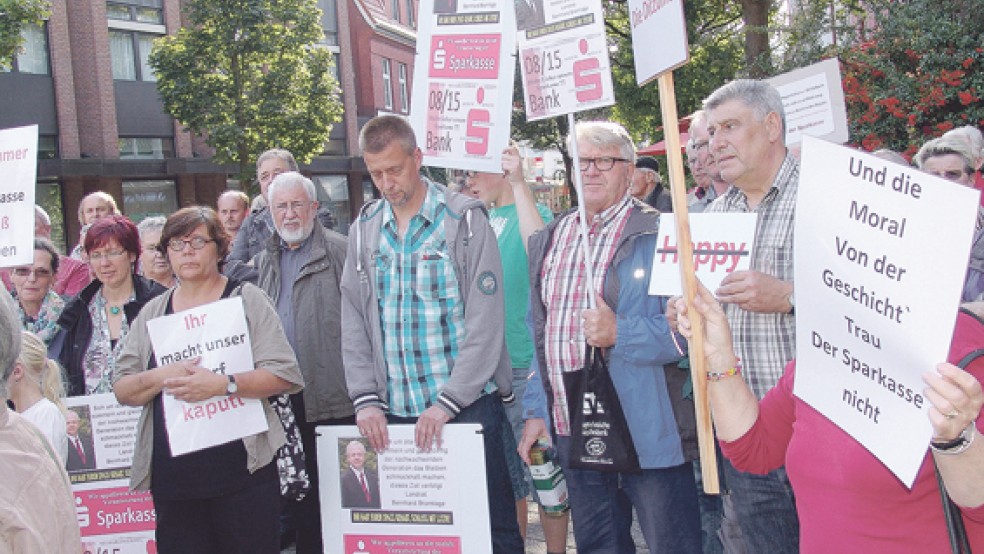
<point x="83" y="78"/>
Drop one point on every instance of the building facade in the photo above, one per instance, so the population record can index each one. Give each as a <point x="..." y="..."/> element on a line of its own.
<point x="83" y="78"/>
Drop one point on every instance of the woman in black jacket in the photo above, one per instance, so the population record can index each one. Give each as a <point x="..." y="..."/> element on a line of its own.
<point x="95" y="323"/>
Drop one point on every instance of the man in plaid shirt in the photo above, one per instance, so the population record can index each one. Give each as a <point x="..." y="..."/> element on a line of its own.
<point x="747" y="128"/>
<point x="423" y="329"/>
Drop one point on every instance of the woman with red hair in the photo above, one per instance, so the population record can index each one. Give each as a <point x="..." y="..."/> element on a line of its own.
<point x="95" y="323"/>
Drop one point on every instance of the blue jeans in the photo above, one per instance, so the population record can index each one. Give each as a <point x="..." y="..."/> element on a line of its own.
<point x="520" y="474"/>
<point x="665" y="501"/>
<point x="711" y="511"/>
<point x="488" y="412"/>
<point x="766" y="510"/>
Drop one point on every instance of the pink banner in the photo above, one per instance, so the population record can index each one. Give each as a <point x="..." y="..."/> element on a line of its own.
<point x="465" y="56"/>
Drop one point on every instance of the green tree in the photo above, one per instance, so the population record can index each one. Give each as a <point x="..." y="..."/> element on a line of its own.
<point x="917" y="74"/>
<point x="14" y="16"/>
<point x="248" y="75"/>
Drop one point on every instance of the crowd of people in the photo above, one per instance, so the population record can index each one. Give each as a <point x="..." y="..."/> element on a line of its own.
<point x="441" y="308"/>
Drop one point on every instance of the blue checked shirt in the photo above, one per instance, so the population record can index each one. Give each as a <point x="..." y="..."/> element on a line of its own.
<point x="420" y="307"/>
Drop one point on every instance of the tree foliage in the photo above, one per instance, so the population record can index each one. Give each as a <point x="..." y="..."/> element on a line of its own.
<point x="14" y="16"/>
<point x="917" y="74"/>
<point x="249" y="76"/>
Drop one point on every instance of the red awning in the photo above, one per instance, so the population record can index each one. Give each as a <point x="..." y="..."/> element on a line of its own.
<point x="659" y="149"/>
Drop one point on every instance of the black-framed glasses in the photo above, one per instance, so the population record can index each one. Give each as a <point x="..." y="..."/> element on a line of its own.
<point x="603" y="164"/>
<point x="39" y="272"/>
<point x="197" y="243"/>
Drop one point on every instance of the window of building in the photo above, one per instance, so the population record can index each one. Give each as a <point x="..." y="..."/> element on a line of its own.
<point x="329" y="21"/>
<point x="404" y="95"/>
<point x="129" y="51"/>
<point x="146" y="148"/>
<point x="387" y="85"/>
<point x="48" y="195"/>
<point x="141" y="11"/>
<point x="143" y="199"/>
<point x="335" y="187"/>
<point x="411" y="15"/>
<point x="396" y="10"/>
<point x="33" y="55"/>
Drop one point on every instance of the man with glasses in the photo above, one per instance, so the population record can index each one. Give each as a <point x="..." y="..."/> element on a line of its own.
<point x="703" y="167"/>
<point x="258" y="226"/>
<point x="423" y="308"/>
<point x="301" y="269"/>
<point x="629" y="326"/>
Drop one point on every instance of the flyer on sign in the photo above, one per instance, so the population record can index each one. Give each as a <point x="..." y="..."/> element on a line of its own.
<point x="881" y="255"/>
<point x="19" y="167"/>
<point x="403" y="500"/>
<point x="217" y="333"/>
<point x="659" y="37"/>
<point x="563" y="55"/>
<point x="463" y="82"/>
<point x="813" y="100"/>
<point x="101" y="435"/>
<point x="722" y="244"/>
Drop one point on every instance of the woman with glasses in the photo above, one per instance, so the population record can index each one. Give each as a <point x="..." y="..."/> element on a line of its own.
<point x="95" y="323"/>
<point x="38" y="306"/>
<point x="153" y="262"/>
<point x="224" y="498"/>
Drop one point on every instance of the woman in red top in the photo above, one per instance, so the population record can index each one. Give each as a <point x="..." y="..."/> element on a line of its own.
<point x="847" y="500"/>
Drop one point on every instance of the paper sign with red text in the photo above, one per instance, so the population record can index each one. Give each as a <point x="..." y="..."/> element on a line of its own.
<point x="563" y="53"/>
<point x="18" y="165"/>
<point x="218" y="334"/>
<point x="463" y="83"/>
<point x="722" y="245"/>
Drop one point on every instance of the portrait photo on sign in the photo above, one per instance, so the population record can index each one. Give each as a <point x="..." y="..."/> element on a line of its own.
<point x="358" y="476"/>
<point x="81" y="447"/>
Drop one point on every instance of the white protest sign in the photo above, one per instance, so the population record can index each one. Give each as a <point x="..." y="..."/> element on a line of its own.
<point x="564" y="60"/>
<point x="217" y="333"/>
<point x="659" y="37"/>
<point x="813" y="100"/>
<point x="722" y="245"/>
<point x="19" y="167"/>
<point x="881" y="254"/>
<point x="413" y="502"/>
<point x="463" y="83"/>
<point x="111" y="517"/>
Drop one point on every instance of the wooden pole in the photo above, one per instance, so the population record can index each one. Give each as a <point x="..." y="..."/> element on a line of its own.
<point x="698" y="364"/>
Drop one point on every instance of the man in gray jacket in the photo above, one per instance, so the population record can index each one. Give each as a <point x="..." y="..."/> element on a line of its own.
<point x="423" y="311"/>
<point x="301" y="270"/>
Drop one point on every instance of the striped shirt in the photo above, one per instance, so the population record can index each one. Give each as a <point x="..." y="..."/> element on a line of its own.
<point x="766" y="342"/>
<point x="420" y="307"/>
<point x="564" y="293"/>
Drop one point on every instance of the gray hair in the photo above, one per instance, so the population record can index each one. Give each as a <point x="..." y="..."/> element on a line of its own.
<point x="151" y="224"/>
<point x="10" y="339"/>
<point x="289" y="180"/>
<point x="943" y="146"/>
<point x="280" y="154"/>
<point x="760" y="96"/>
<point x="42" y="216"/>
<point x="973" y="138"/>
<point x="605" y="135"/>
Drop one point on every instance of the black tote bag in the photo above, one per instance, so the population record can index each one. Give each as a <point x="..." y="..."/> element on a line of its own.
<point x="600" y="438"/>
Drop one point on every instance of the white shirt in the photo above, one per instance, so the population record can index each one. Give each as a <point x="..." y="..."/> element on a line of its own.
<point x="51" y="421"/>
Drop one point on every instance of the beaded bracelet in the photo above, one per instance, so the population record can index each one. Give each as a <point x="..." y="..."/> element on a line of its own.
<point x="714" y="377"/>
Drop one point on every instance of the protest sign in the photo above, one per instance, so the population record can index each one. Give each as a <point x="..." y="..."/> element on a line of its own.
<point x="563" y="54"/>
<point x="218" y="334"/>
<point x="463" y="83"/>
<point x="881" y="252"/>
<point x="813" y="100"/>
<point x="19" y="166"/>
<point x="722" y="244"/>
<point x="659" y="37"/>
<point x="111" y="517"/>
<point x="412" y="502"/>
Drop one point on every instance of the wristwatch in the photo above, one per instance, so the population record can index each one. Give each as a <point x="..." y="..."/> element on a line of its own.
<point x="957" y="445"/>
<point x="231" y="388"/>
